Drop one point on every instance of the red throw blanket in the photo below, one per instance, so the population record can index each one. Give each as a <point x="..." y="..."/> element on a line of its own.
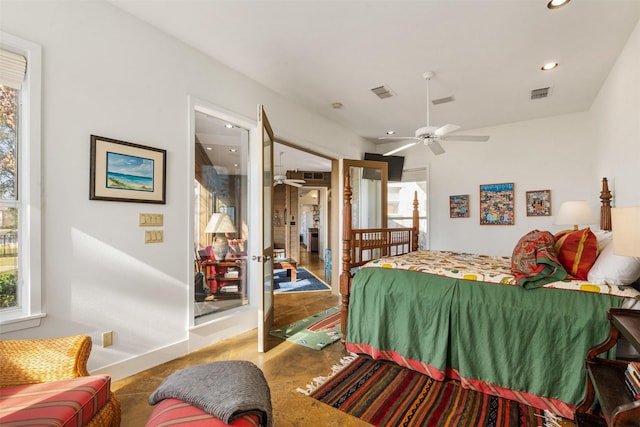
<point x="534" y="261"/>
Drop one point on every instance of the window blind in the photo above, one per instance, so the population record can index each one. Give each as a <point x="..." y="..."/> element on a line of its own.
<point x="12" y="69"/>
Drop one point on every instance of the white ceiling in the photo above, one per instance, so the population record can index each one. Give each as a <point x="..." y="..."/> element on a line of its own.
<point x="486" y="53"/>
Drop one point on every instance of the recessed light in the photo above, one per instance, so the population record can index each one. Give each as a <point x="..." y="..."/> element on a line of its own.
<point x="391" y="132"/>
<point x="555" y="4"/>
<point x="209" y="148"/>
<point x="336" y="105"/>
<point x="235" y="165"/>
<point x="229" y="126"/>
<point x="549" y="66"/>
<point x="233" y="150"/>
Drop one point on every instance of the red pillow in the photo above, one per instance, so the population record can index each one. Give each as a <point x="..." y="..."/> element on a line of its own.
<point x="577" y="251"/>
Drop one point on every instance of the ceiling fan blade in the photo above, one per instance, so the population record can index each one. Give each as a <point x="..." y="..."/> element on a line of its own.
<point x="294" y="184"/>
<point x="446" y="129"/>
<point x="395" y="150"/>
<point x="398" y="137"/>
<point x="300" y="181"/>
<point x="435" y="147"/>
<point x="479" y="138"/>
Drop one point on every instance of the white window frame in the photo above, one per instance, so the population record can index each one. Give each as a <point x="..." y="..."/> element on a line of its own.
<point x="29" y="287"/>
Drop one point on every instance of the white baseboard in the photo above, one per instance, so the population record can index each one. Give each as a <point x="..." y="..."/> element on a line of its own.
<point x="219" y="329"/>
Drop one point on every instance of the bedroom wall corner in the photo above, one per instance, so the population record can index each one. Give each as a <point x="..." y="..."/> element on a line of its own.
<point x="616" y="117"/>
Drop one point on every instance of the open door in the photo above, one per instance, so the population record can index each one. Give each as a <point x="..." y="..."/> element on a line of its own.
<point x="265" y="309"/>
<point x="369" y="192"/>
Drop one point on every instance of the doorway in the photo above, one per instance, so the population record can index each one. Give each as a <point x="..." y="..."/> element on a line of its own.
<point x="302" y="218"/>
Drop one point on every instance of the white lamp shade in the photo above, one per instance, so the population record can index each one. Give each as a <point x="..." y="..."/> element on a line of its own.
<point x="575" y="212"/>
<point x="626" y="231"/>
<point x="220" y="223"/>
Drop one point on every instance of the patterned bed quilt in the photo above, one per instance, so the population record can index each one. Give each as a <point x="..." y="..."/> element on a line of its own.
<point x="462" y="316"/>
<point x="484" y="268"/>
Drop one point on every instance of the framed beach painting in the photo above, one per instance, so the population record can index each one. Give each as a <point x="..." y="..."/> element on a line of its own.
<point x="496" y="204"/>
<point x="126" y="172"/>
<point x="459" y="206"/>
<point x="539" y="203"/>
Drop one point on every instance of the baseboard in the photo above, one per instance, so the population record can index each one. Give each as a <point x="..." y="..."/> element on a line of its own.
<point x="221" y="328"/>
<point x="142" y="362"/>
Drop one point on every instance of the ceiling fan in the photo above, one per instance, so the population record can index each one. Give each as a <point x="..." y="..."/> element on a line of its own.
<point x="431" y="135"/>
<point x="282" y="179"/>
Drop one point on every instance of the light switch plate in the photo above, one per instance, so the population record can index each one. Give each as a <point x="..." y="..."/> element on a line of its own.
<point x="151" y="220"/>
<point x="153" y="236"/>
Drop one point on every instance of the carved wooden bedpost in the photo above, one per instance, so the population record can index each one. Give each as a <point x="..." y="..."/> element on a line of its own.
<point x="416" y="223"/>
<point x="605" y="206"/>
<point x="345" y="275"/>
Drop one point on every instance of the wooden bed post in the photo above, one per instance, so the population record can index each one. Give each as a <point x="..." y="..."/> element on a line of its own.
<point x="605" y="206"/>
<point x="345" y="275"/>
<point x="416" y="223"/>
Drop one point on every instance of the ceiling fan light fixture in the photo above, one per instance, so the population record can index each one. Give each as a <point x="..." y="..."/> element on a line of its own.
<point x="549" y="66"/>
<point x="556" y="4"/>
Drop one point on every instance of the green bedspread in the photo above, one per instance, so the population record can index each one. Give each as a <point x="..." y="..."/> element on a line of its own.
<point x="530" y="340"/>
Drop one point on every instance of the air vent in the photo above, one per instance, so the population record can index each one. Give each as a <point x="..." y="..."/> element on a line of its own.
<point x="443" y="100"/>
<point x="382" y="92"/>
<point x="540" y="93"/>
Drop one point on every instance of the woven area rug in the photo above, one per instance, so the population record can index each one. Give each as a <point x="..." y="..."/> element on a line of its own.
<point x="317" y="331"/>
<point x="385" y="394"/>
<point x="306" y="281"/>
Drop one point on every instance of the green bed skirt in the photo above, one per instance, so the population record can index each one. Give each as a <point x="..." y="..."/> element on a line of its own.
<point x="529" y="340"/>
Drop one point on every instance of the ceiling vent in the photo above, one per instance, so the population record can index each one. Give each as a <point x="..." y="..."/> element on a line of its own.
<point x="382" y="92"/>
<point x="443" y="100"/>
<point x="540" y="93"/>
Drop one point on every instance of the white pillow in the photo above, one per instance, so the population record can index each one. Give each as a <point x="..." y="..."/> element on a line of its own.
<point x="613" y="269"/>
<point x="604" y="238"/>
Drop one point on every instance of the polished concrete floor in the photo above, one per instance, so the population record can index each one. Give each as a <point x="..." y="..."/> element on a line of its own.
<point x="286" y="366"/>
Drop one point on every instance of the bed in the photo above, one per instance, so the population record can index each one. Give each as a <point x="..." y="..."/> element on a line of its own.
<point x="463" y="316"/>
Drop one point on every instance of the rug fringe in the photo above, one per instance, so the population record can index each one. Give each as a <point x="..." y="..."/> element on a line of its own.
<point x="318" y="381"/>
<point x="551" y="419"/>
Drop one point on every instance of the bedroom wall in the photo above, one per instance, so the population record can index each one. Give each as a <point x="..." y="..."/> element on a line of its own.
<point x="616" y="117"/>
<point x="567" y="154"/>
<point x="106" y="73"/>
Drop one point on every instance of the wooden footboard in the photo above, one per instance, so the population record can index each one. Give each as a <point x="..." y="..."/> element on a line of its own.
<point x="360" y="246"/>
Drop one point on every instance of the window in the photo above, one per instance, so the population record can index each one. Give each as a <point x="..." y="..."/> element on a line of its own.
<point x="400" y="203"/>
<point x="20" y="219"/>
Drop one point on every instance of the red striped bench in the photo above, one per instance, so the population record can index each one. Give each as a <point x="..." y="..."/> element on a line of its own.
<point x="174" y="412"/>
<point x="71" y="402"/>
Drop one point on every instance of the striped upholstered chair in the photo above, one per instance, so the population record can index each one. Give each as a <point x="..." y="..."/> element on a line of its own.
<point x="49" y="377"/>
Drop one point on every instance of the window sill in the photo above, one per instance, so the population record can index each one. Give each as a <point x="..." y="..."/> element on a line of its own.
<point x="25" y="322"/>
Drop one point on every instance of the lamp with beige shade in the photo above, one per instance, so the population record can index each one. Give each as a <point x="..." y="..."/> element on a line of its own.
<point x="626" y="231"/>
<point x="575" y="212"/>
<point x="220" y="224"/>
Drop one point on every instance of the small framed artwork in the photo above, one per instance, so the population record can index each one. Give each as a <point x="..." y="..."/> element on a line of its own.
<point x="126" y="172"/>
<point x="459" y="206"/>
<point x="497" y="204"/>
<point x="539" y="203"/>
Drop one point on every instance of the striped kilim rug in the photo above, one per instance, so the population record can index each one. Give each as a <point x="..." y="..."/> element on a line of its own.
<point x="385" y="394"/>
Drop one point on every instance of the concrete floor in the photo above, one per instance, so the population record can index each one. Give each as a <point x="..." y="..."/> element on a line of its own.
<point x="286" y="367"/>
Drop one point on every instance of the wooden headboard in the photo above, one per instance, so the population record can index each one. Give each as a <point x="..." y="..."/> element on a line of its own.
<point x="605" y="206"/>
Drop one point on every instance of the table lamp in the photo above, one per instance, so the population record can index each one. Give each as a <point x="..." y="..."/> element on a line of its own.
<point x="575" y="212"/>
<point x="220" y="224"/>
<point x="626" y="231"/>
